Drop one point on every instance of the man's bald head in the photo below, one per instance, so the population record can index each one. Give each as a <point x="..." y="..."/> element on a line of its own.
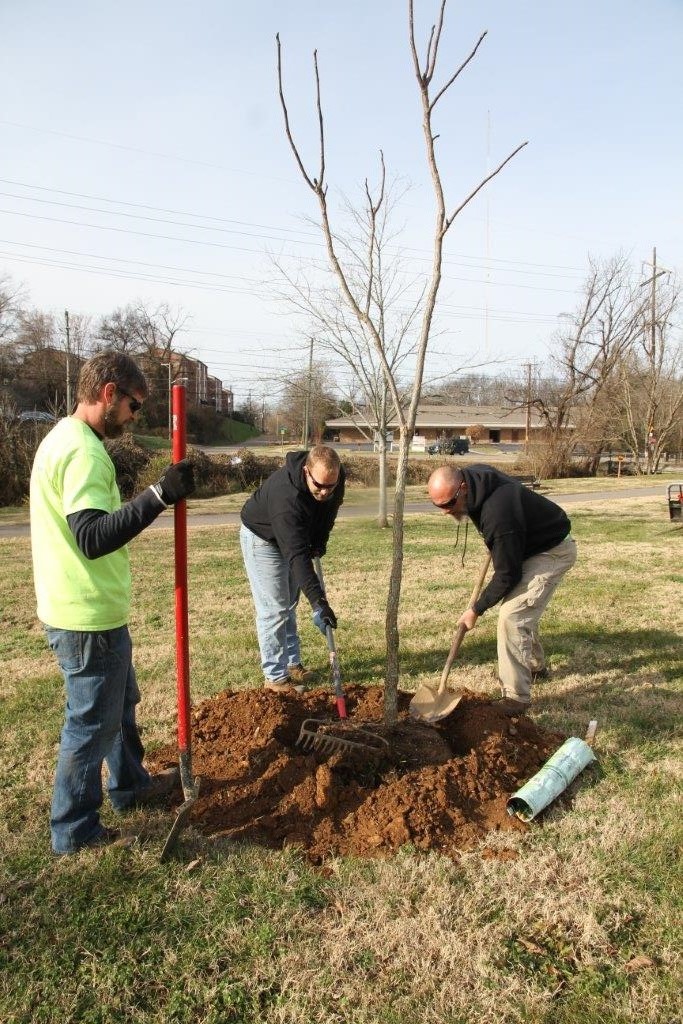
<point x="445" y="485"/>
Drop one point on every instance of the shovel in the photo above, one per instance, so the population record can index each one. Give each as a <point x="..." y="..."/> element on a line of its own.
<point x="332" y="649"/>
<point x="190" y="785"/>
<point x="430" y="705"/>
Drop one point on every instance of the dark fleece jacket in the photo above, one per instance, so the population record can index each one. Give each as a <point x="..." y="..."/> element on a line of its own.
<point x="515" y="523"/>
<point x="284" y="512"/>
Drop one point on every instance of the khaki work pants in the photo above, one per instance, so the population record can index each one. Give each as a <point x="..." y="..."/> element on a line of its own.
<point x="519" y="649"/>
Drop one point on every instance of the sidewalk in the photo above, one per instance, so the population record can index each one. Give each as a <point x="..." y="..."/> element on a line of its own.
<point x="165" y="520"/>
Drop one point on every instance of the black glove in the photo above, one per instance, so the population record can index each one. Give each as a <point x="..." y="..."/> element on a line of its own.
<point x="324" y="614"/>
<point x="318" y="552"/>
<point x="177" y="481"/>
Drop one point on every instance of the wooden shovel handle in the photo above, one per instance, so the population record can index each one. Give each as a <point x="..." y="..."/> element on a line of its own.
<point x="461" y="630"/>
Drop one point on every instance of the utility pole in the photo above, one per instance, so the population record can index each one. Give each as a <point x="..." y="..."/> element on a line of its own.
<point x="307" y="402"/>
<point x="652" y="281"/>
<point x="528" y="408"/>
<point x="653" y="298"/>
<point x="68" y="362"/>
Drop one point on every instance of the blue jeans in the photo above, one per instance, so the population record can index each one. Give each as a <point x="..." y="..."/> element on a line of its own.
<point x="99" y="724"/>
<point x="276" y="596"/>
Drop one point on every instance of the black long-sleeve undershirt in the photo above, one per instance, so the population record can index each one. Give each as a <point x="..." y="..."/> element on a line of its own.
<point x="98" y="533"/>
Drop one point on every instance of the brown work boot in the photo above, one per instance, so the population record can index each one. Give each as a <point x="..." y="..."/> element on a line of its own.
<point x="283" y="686"/>
<point x="160" y="786"/>
<point x="512" y="708"/>
<point x="299" y="674"/>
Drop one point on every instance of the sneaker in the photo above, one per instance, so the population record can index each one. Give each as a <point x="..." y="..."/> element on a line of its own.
<point x="160" y="786"/>
<point x="283" y="686"/>
<point x="299" y="674"/>
<point x="512" y="708"/>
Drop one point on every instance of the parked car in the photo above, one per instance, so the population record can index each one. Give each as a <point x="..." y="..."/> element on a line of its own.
<point x="36" y="416"/>
<point x="450" y="446"/>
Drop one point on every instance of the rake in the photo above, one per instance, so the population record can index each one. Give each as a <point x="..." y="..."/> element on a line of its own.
<point x="327" y="737"/>
<point x="319" y="736"/>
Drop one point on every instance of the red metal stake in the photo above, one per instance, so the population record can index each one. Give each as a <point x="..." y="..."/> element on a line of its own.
<point x="189" y="783"/>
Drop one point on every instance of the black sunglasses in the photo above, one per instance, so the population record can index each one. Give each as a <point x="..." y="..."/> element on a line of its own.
<point x="135" y="406"/>
<point x="321" y="487"/>
<point x="452" y="501"/>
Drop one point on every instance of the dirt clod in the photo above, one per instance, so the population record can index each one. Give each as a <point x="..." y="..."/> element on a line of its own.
<point x="441" y="787"/>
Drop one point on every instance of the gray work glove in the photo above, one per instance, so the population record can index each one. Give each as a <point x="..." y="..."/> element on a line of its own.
<point x="176" y="482"/>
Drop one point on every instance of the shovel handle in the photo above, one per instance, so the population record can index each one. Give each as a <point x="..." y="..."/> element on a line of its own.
<point x="461" y="630"/>
<point x="332" y="648"/>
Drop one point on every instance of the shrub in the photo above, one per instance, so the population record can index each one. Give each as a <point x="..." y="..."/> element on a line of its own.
<point x="18" y="443"/>
<point x="130" y="462"/>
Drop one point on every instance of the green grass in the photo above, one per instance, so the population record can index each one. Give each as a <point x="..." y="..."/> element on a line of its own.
<point x="582" y="926"/>
<point x="151" y="442"/>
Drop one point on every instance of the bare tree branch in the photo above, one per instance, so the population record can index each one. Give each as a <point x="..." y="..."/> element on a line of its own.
<point x="462" y="67"/>
<point x="312" y="183"/>
<point x="480" y="186"/>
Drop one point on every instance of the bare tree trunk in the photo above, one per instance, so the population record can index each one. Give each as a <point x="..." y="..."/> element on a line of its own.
<point x="382" y="520"/>
<point x="394" y="595"/>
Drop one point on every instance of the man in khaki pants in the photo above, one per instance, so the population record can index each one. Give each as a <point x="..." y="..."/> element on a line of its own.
<point x="531" y="550"/>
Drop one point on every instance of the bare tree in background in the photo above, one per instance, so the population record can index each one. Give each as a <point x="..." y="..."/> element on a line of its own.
<point x="301" y="391"/>
<point x="12" y="299"/>
<point x="589" y="350"/>
<point x="139" y="329"/>
<point x="358" y="303"/>
<point x="651" y="379"/>
<point x="374" y="271"/>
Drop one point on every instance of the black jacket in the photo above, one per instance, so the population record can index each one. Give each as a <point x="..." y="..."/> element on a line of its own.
<point x="284" y="512"/>
<point x="515" y="523"/>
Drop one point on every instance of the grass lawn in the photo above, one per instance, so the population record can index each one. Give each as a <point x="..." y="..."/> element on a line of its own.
<point x="579" y="922"/>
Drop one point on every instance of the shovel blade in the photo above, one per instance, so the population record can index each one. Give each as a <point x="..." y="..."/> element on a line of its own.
<point x="428" y="705"/>
<point x="180" y="822"/>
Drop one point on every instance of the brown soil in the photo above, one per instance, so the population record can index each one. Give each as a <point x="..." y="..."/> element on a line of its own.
<point x="441" y="787"/>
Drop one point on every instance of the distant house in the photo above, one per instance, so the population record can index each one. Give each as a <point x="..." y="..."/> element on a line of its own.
<point x="496" y="423"/>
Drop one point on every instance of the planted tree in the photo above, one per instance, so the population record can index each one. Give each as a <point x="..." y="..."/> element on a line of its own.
<point x="356" y="298"/>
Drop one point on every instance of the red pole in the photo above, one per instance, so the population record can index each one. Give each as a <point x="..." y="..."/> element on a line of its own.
<point x="181" y="616"/>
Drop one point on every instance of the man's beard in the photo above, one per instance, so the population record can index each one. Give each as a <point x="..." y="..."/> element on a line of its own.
<point x="112" y="429"/>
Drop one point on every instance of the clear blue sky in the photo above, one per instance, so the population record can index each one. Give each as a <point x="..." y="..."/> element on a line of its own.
<point x="111" y="108"/>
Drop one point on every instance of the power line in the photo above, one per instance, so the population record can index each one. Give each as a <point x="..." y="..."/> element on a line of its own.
<point x="145" y="206"/>
<point x="422" y="253"/>
<point x="135" y="149"/>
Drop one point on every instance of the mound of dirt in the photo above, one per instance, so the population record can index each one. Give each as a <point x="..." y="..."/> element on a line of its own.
<point x="440" y="787"/>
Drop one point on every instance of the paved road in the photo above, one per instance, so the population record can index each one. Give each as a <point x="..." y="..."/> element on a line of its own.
<point x="165" y="521"/>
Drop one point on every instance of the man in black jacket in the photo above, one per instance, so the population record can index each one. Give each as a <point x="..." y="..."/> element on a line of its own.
<point x="528" y="537"/>
<point x="285" y="524"/>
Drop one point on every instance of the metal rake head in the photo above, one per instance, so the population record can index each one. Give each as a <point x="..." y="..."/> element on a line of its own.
<point x="318" y="735"/>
